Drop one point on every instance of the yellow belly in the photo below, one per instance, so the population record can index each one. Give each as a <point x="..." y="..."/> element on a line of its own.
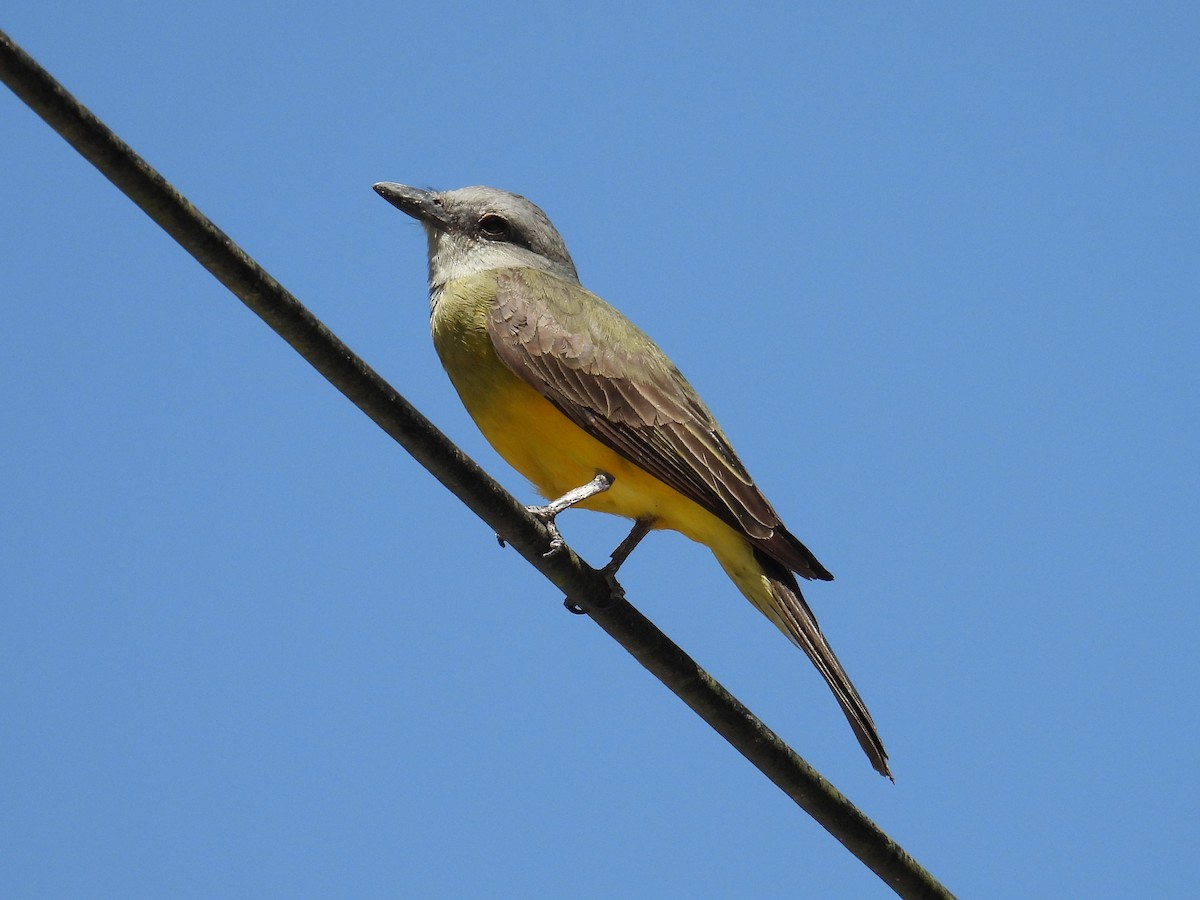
<point x="556" y="455"/>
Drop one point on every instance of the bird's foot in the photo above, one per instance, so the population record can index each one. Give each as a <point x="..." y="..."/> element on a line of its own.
<point x="545" y="515"/>
<point x="615" y="595"/>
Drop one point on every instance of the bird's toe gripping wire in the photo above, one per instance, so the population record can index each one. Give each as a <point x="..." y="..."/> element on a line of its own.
<point x="641" y="528"/>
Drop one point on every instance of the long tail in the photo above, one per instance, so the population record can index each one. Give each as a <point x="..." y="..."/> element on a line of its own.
<point x="774" y="591"/>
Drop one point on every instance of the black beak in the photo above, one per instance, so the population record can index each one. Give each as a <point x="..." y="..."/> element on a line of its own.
<point x="424" y="206"/>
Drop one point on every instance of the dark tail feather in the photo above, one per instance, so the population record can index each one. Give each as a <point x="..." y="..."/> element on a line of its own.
<point x="793" y="616"/>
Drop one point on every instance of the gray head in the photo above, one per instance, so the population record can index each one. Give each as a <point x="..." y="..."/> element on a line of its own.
<point x="474" y="229"/>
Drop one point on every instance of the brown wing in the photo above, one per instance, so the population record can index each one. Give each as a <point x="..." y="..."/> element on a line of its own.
<point x="611" y="380"/>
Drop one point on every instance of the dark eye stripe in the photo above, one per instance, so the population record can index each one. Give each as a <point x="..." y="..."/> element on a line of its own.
<point x="494" y="227"/>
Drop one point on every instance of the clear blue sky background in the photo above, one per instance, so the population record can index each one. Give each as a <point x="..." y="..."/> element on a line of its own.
<point x="934" y="269"/>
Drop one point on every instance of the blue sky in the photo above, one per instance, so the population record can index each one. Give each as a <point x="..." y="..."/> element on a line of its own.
<point x="934" y="270"/>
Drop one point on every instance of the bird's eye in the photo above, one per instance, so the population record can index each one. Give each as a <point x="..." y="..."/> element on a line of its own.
<point x="494" y="227"/>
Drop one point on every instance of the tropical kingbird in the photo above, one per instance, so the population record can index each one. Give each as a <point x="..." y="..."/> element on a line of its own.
<point x="582" y="403"/>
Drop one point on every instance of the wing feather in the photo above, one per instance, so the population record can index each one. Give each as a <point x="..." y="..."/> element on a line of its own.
<point x="612" y="381"/>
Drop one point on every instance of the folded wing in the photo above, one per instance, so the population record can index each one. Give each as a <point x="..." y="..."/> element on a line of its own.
<point x="611" y="380"/>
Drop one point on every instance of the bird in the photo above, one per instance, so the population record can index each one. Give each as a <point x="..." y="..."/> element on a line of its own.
<point x="593" y="413"/>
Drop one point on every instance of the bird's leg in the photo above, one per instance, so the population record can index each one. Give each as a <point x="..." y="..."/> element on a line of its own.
<point x="546" y="514"/>
<point x="641" y="528"/>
